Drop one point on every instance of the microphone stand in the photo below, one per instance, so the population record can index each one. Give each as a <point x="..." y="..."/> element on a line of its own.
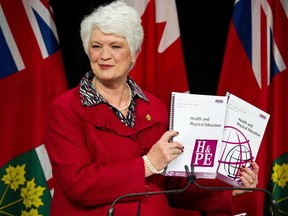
<point x="111" y="209"/>
<point x="191" y="178"/>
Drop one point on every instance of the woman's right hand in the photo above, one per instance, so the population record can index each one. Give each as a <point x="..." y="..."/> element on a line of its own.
<point x="164" y="151"/>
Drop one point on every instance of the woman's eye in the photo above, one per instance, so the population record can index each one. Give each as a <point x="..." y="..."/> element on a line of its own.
<point x="116" y="47"/>
<point x="96" y="46"/>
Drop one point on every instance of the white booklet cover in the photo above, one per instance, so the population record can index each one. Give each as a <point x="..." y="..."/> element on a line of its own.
<point x="244" y="128"/>
<point x="199" y="119"/>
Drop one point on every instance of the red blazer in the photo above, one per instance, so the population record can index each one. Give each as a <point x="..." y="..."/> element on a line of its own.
<point x="96" y="158"/>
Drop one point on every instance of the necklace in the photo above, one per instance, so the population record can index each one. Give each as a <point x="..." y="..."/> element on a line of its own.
<point x="130" y="96"/>
<point x="130" y="99"/>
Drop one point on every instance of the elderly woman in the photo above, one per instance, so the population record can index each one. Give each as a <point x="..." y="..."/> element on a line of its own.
<point x="107" y="137"/>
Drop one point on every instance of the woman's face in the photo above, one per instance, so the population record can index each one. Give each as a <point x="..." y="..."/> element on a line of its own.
<point x="109" y="55"/>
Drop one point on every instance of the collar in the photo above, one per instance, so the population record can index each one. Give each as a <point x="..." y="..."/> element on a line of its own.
<point x="90" y="97"/>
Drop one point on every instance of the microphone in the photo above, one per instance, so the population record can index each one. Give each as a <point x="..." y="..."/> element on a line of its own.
<point x="192" y="179"/>
<point x="111" y="209"/>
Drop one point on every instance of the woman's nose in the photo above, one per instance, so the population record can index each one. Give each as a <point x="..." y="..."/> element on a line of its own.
<point x="105" y="54"/>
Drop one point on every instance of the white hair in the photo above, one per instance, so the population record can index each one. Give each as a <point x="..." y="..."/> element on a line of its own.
<point x="115" y="18"/>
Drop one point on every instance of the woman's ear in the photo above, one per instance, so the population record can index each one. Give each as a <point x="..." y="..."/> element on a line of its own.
<point x="136" y="56"/>
<point x="134" y="60"/>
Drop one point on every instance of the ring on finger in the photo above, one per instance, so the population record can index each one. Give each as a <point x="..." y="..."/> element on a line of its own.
<point x="174" y="150"/>
<point x="253" y="180"/>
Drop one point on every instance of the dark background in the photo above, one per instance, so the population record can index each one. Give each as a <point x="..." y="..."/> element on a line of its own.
<point x="203" y="25"/>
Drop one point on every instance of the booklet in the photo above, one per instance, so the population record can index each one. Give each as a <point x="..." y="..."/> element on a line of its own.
<point x="199" y="119"/>
<point x="219" y="133"/>
<point x="244" y="128"/>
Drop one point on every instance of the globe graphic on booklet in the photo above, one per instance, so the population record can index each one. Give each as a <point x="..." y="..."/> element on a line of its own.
<point x="236" y="152"/>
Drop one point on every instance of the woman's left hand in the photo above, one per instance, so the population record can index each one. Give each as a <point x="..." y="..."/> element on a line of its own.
<point x="249" y="178"/>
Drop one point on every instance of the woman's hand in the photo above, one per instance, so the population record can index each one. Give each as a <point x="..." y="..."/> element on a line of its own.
<point x="249" y="178"/>
<point x="164" y="151"/>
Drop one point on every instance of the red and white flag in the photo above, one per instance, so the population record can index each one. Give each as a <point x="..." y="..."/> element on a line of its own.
<point x="255" y="68"/>
<point x="31" y="76"/>
<point x="160" y="67"/>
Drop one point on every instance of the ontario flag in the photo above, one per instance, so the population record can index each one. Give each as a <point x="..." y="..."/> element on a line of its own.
<point x="31" y="76"/>
<point x="255" y="69"/>
<point x="160" y="67"/>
